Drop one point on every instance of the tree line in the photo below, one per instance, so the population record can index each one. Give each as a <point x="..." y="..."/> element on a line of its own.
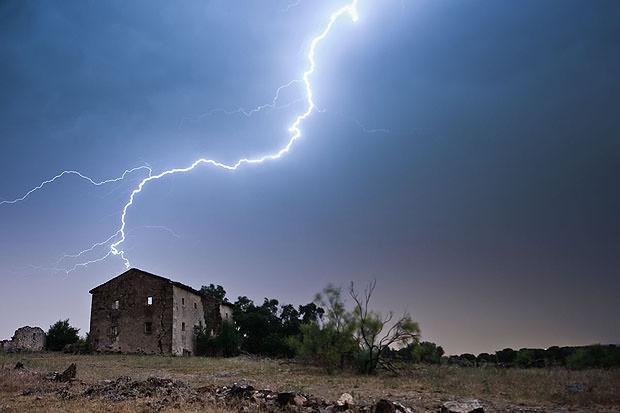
<point x="323" y="332"/>
<point x="572" y="357"/>
<point x="332" y="334"/>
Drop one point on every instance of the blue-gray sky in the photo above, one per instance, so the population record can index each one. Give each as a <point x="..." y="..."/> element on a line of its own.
<point x="489" y="210"/>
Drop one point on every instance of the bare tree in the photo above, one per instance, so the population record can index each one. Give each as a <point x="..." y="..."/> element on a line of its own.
<point x="375" y="334"/>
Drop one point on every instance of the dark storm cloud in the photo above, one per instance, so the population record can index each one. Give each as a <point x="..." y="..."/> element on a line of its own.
<point x="489" y="211"/>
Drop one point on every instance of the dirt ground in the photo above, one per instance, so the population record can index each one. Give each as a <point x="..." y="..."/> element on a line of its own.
<point x="149" y="383"/>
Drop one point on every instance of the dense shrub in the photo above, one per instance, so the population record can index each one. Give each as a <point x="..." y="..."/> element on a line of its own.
<point x="426" y="352"/>
<point x="325" y="345"/>
<point x="60" y="334"/>
<point x="224" y="344"/>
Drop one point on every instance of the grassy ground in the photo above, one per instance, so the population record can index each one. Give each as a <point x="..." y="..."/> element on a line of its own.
<point x="424" y="388"/>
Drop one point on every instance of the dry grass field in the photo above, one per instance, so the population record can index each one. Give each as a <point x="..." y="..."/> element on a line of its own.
<point x="422" y="388"/>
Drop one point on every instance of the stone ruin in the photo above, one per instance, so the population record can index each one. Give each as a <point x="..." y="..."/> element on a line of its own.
<point x="25" y="339"/>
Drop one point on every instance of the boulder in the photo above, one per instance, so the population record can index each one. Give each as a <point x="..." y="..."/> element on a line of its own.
<point x="241" y="390"/>
<point x="299" y="400"/>
<point x="285" y="397"/>
<point x="467" y="406"/>
<point x="387" y="406"/>
<point x="576" y="388"/>
<point x="67" y="375"/>
<point x="345" y="400"/>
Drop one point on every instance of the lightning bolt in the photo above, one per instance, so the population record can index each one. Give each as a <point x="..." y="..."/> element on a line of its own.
<point x="249" y="112"/>
<point x="291" y="5"/>
<point x="79" y="174"/>
<point x="119" y="237"/>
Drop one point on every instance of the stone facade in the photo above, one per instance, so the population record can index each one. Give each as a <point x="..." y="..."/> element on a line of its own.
<point x="226" y="311"/>
<point x="188" y="312"/>
<point x="25" y="339"/>
<point x="139" y="312"/>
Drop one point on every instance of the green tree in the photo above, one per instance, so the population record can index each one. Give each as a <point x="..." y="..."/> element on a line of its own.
<point x="311" y="313"/>
<point x="261" y="329"/>
<point x="60" y="334"/>
<point x="326" y="332"/>
<point x="426" y="352"/>
<point x="506" y="357"/>
<point x="218" y="292"/>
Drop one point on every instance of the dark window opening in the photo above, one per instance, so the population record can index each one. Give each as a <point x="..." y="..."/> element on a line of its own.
<point x="182" y="326"/>
<point x="148" y="327"/>
<point x="195" y="306"/>
<point x="182" y="301"/>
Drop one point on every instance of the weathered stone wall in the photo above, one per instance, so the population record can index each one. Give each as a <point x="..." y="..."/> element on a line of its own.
<point x="29" y="339"/>
<point x="6" y="345"/>
<point x="213" y="321"/>
<point x="25" y="339"/>
<point x="188" y="311"/>
<point x="226" y="312"/>
<point x="132" y="290"/>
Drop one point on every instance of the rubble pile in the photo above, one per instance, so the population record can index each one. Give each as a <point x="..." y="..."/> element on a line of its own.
<point x="125" y="388"/>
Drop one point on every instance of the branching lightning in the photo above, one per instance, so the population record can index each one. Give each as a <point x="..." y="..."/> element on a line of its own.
<point x="249" y="112"/>
<point x="116" y="240"/>
<point x="79" y="174"/>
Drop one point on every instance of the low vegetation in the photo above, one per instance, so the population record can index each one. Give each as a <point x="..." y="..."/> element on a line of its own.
<point x="423" y="387"/>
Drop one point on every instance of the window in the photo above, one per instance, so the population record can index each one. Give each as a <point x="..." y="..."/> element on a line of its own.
<point x="200" y="323"/>
<point x="148" y="327"/>
<point x="149" y="300"/>
<point x="182" y="326"/>
<point x="182" y="301"/>
<point x="114" y="331"/>
<point x="195" y="306"/>
<point x="115" y="305"/>
<point x="227" y="316"/>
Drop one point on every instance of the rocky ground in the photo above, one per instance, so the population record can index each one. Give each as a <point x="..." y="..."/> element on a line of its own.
<point x="26" y="386"/>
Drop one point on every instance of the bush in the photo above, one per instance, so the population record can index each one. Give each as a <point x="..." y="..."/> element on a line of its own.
<point x="60" y="334"/>
<point x="225" y="343"/>
<point x="324" y="345"/>
<point x="82" y="346"/>
<point x="426" y="352"/>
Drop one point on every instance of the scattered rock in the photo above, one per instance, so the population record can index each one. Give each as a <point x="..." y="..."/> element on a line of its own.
<point x="387" y="406"/>
<point x="467" y="406"/>
<point x="163" y="392"/>
<point x="241" y="390"/>
<point x="67" y="375"/>
<point x="345" y="400"/>
<point x="26" y="392"/>
<point x="284" y="398"/>
<point x="18" y="366"/>
<point x="576" y="388"/>
<point x="299" y="400"/>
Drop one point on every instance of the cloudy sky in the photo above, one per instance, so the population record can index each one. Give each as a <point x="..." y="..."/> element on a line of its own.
<point x="465" y="155"/>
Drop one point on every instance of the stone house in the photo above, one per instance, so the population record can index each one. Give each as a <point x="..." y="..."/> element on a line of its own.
<point x="140" y="312"/>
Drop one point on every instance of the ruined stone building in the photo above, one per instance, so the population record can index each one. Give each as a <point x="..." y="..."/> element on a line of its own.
<point x="139" y="312"/>
<point x="25" y="339"/>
